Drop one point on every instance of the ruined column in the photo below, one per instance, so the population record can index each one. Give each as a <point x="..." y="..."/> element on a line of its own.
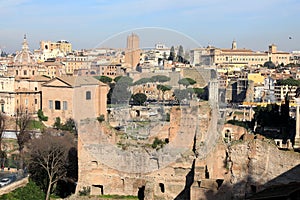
<point x="213" y="92"/>
<point x="297" y="136"/>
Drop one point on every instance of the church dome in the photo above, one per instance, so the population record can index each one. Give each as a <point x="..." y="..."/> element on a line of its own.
<point x="24" y="56"/>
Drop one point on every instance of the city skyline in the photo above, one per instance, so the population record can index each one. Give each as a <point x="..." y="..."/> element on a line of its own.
<point x="89" y="24"/>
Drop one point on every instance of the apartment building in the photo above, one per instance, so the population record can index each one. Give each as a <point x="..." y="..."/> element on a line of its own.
<point x="237" y="57"/>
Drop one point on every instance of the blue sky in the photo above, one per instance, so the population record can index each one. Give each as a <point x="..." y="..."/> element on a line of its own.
<point x="92" y="23"/>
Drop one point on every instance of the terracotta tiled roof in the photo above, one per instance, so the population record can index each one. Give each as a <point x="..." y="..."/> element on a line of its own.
<point x="76" y="81"/>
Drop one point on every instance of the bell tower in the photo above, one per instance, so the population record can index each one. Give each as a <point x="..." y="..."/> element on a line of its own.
<point x="233" y="46"/>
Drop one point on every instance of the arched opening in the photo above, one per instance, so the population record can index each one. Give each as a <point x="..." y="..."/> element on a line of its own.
<point x="206" y="172"/>
<point x="227" y="136"/>
<point x="138" y="113"/>
<point x="162" y="187"/>
<point x="94" y="164"/>
<point x="167" y="140"/>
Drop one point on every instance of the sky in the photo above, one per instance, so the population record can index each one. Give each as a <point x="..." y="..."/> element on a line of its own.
<point x="89" y="24"/>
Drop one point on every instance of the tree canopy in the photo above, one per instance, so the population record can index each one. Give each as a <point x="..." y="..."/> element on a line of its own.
<point x="289" y="82"/>
<point x="269" y="65"/>
<point x="142" y="81"/>
<point x="124" y="80"/>
<point x="181" y="94"/>
<point x="164" y="88"/>
<point x="119" y="92"/>
<point x="160" y="78"/>
<point x="104" y="79"/>
<point x="139" y="98"/>
<point x="186" y="82"/>
<point x="180" y="54"/>
<point x="172" y="54"/>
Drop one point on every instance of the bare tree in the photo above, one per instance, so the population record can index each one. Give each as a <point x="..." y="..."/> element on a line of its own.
<point x="48" y="160"/>
<point x="23" y="136"/>
<point x="2" y="128"/>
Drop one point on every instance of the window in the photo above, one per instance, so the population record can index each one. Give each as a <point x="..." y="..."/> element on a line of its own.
<point x="25" y="72"/>
<point x="88" y="95"/>
<point x="50" y="104"/>
<point x="65" y="105"/>
<point x="35" y="101"/>
<point x="57" y="105"/>
<point x="26" y="102"/>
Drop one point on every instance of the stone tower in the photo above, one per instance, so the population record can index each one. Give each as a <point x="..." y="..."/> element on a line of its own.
<point x="272" y="48"/>
<point x="233" y="46"/>
<point x="132" y="53"/>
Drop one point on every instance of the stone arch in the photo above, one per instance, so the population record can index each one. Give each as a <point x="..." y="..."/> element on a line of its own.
<point x="227" y="135"/>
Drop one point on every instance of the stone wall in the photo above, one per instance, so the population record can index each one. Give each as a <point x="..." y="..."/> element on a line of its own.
<point x="257" y="164"/>
<point x="195" y="164"/>
<point x="165" y="173"/>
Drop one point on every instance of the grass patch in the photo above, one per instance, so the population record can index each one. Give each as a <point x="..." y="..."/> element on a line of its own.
<point x="118" y="197"/>
<point x="33" y="124"/>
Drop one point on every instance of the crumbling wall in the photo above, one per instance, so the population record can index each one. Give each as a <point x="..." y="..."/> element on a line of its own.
<point x="166" y="173"/>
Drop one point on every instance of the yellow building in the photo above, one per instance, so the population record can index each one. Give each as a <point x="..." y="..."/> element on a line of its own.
<point x="257" y="78"/>
<point x="52" y="69"/>
<point x="61" y="45"/>
<point x="236" y="57"/>
<point x="7" y="95"/>
<point x="74" y="63"/>
<point x="278" y="58"/>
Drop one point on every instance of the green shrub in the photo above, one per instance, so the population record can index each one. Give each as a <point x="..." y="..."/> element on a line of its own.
<point x="57" y="124"/>
<point x="85" y="191"/>
<point x="101" y="118"/>
<point x="168" y="117"/>
<point x="30" y="191"/>
<point x="41" y="115"/>
<point x="158" y="143"/>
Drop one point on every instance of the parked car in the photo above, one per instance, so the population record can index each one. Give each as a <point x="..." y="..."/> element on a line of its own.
<point x="4" y="181"/>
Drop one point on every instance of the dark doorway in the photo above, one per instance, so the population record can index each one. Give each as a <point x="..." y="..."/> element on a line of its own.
<point x="97" y="190"/>
<point x="141" y="193"/>
<point x="206" y="172"/>
<point x="162" y="187"/>
<point x="138" y="113"/>
<point x="219" y="182"/>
